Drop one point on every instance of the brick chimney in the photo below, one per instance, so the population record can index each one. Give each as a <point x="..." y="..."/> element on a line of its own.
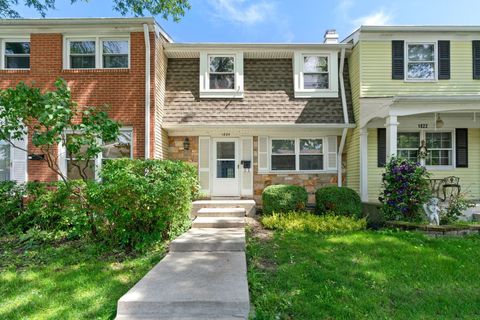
<point x="331" y="36"/>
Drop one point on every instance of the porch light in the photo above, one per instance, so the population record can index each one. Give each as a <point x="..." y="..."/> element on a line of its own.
<point x="186" y="144"/>
<point x="439" y="123"/>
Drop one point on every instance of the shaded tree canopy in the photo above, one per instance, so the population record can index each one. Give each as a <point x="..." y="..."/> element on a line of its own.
<point x="174" y="9"/>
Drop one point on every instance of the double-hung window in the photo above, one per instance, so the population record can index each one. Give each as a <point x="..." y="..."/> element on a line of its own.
<point x="283" y="155"/>
<point x="121" y="148"/>
<point x="421" y="61"/>
<point x="440" y="149"/>
<point x="297" y="154"/>
<point x="97" y="52"/>
<point x="82" y="54"/>
<point x="408" y="144"/>
<point x="221" y="71"/>
<point x="315" y="72"/>
<point x="17" y="54"/>
<point x="78" y="167"/>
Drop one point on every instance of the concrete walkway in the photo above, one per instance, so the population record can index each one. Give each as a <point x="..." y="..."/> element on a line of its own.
<point x="203" y="277"/>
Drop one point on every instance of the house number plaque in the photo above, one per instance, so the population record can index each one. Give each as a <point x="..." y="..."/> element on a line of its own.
<point x="423" y="125"/>
<point x="226" y="134"/>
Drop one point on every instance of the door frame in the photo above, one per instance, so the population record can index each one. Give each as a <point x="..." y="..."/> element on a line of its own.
<point x="213" y="166"/>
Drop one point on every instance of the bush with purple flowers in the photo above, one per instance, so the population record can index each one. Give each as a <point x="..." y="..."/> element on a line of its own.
<point x="405" y="189"/>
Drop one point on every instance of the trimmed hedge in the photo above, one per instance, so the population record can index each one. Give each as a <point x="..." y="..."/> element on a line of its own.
<point x="284" y="198"/>
<point x="338" y="200"/>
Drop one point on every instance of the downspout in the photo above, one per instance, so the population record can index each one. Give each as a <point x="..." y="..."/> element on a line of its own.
<point x="345" y="118"/>
<point x="146" y="33"/>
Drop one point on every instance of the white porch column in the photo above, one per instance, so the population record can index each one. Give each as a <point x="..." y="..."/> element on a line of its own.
<point x="391" y="126"/>
<point x="364" y="164"/>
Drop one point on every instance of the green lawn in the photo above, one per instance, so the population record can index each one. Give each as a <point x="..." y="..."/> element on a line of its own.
<point x="70" y="280"/>
<point x="364" y="275"/>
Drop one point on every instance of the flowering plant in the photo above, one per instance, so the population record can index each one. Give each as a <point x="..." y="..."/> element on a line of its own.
<point x="405" y="190"/>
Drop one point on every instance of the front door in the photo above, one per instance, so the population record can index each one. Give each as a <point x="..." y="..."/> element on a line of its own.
<point x="225" y="168"/>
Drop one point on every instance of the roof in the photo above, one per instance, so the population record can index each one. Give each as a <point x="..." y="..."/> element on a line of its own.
<point x="69" y="24"/>
<point x="412" y="28"/>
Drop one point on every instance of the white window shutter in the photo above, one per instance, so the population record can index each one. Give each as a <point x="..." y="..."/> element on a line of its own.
<point x="204" y="164"/>
<point x="247" y="175"/>
<point x="331" y="160"/>
<point x="19" y="159"/>
<point x="262" y="154"/>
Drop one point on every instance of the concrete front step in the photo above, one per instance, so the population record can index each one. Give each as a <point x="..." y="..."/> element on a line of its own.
<point x="221" y="212"/>
<point x="218" y="222"/>
<point x="190" y="285"/>
<point x="209" y="240"/>
<point x="248" y="205"/>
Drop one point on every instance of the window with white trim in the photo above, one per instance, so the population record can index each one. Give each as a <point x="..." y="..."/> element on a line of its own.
<point x="421" y="61"/>
<point x="300" y="154"/>
<point x="315" y="74"/>
<point x="121" y="148"/>
<point x="16" y="54"/>
<point x="408" y="144"/>
<point x="439" y="144"/>
<point x="97" y="53"/>
<point x="221" y="74"/>
<point x="440" y="148"/>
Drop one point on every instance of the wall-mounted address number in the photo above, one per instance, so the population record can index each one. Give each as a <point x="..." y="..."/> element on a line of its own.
<point x="423" y="125"/>
<point x="226" y="134"/>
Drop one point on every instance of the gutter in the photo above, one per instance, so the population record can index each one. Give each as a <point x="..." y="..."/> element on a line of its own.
<point x="146" y="34"/>
<point x="345" y="118"/>
<point x="199" y="125"/>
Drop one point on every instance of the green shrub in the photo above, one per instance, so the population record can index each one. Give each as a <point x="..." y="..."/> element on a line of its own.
<point x="300" y="221"/>
<point x="284" y="198"/>
<point x="142" y="201"/>
<point x="11" y="197"/>
<point x="338" y="200"/>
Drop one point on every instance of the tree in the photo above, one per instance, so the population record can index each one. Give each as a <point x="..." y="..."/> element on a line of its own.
<point x="47" y="116"/>
<point x="166" y="8"/>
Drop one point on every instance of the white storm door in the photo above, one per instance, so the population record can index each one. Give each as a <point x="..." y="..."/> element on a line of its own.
<point x="226" y="180"/>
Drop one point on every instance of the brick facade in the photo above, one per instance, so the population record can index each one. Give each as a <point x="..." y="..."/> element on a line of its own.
<point x="122" y="89"/>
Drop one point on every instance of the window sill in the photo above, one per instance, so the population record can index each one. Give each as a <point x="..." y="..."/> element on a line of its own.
<point x="440" y="168"/>
<point x="220" y="95"/>
<point x="419" y="81"/>
<point x="316" y="94"/>
<point x="119" y="70"/>
<point x="14" y="71"/>
<point x="298" y="172"/>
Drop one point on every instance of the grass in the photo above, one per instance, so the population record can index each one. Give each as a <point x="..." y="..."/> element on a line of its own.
<point x="66" y="280"/>
<point x="363" y="275"/>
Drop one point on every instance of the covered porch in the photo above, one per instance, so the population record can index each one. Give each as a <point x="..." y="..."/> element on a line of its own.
<point x="447" y="128"/>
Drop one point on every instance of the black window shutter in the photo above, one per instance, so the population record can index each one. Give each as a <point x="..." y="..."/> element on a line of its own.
<point x="398" y="60"/>
<point x="381" y="147"/>
<point x="476" y="59"/>
<point x="461" y="144"/>
<point x="443" y="60"/>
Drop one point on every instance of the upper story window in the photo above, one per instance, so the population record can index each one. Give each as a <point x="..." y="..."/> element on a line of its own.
<point x="221" y="70"/>
<point x="96" y="53"/>
<point x="316" y="74"/>
<point x="421" y="61"/>
<point x="16" y="54"/>
<point x="221" y="75"/>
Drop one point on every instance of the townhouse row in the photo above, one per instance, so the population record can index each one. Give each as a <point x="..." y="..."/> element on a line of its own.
<point x="251" y="115"/>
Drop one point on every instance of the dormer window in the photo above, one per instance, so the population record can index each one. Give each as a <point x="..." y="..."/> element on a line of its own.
<point x="221" y="75"/>
<point x="221" y="72"/>
<point x="316" y="74"/>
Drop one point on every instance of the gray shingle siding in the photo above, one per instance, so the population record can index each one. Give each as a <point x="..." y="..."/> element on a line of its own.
<point x="268" y="97"/>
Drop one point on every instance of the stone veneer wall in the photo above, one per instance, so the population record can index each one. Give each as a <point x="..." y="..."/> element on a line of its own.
<point x="311" y="182"/>
<point x="176" y="151"/>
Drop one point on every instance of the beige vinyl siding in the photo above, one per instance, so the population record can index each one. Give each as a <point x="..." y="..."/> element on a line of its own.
<point x="161" y="137"/>
<point x="469" y="177"/>
<point x="376" y="73"/>
<point x="353" y="138"/>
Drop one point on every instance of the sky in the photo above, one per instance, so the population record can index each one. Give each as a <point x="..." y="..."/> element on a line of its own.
<point x="296" y="21"/>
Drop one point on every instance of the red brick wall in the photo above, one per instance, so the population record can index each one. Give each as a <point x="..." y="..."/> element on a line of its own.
<point x="122" y="89"/>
